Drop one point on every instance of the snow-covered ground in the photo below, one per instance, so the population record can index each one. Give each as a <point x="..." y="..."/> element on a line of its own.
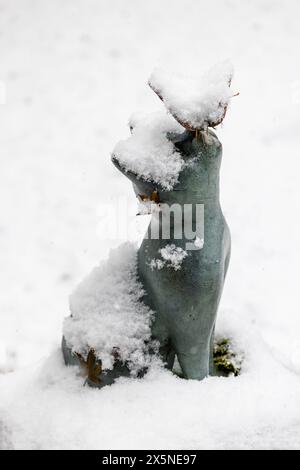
<point x="71" y="73"/>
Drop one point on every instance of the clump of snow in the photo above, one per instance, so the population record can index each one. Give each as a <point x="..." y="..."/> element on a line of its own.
<point x="196" y="102"/>
<point x="199" y="243"/>
<point x="156" y="264"/>
<point x="172" y="257"/>
<point x="148" y="152"/>
<point x="108" y="312"/>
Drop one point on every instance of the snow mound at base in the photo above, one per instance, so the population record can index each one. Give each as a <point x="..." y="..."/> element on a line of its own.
<point x="148" y="152"/>
<point x="108" y="313"/>
<point x="196" y="102"/>
<point x="47" y="407"/>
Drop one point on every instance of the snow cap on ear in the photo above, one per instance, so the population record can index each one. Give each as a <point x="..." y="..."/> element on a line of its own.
<point x="195" y="102"/>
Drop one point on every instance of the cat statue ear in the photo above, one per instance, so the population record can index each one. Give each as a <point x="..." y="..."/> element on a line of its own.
<point x="187" y="101"/>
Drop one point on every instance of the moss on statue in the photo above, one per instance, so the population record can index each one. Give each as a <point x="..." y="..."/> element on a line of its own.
<point x="226" y="360"/>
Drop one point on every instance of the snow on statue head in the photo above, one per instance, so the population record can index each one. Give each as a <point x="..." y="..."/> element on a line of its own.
<point x="196" y="103"/>
<point x="161" y="300"/>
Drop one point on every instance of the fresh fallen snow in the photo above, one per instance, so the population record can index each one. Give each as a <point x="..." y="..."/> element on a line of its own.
<point x="196" y="102"/>
<point x="148" y="152"/>
<point x="47" y="407"/>
<point x="172" y="256"/>
<point x="56" y="158"/>
<point x="199" y="243"/>
<point x="108" y="312"/>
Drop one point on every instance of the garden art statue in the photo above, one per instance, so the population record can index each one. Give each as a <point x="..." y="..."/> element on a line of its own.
<point x="173" y="161"/>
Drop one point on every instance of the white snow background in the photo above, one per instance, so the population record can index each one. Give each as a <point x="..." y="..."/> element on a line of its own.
<point x="71" y="73"/>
